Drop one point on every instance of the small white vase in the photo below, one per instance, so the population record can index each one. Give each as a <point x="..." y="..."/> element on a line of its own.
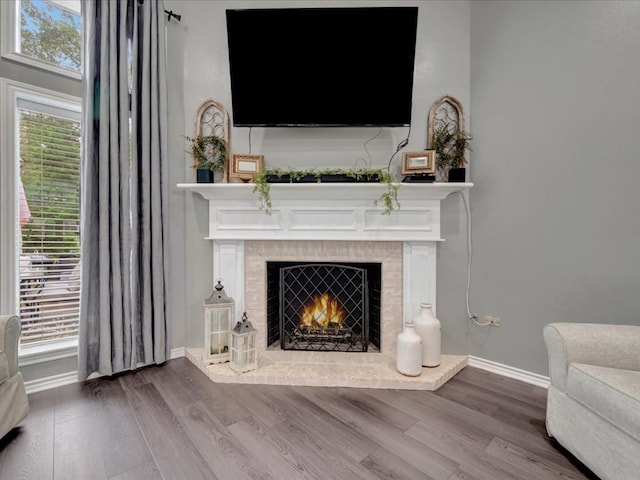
<point x="427" y="326"/>
<point x="409" y="361"/>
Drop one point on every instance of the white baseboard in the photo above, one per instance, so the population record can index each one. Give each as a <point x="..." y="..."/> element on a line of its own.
<point x="177" y="353"/>
<point x="67" y="378"/>
<point x="53" y="381"/>
<point x="508" y="371"/>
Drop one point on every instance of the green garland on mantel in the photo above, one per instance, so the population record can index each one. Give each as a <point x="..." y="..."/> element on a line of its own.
<point x="388" y="199"/>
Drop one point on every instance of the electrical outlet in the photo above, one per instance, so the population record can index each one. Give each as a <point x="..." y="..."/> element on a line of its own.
<point x="493" y="321"/>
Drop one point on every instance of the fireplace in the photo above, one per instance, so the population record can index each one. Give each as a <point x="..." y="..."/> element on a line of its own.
<point x="325" y="306"/>
<point x="382" y="263"/>
<point x="329" y="224"/>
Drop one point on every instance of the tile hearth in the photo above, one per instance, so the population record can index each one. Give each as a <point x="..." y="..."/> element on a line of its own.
<point x="330" y="369"/>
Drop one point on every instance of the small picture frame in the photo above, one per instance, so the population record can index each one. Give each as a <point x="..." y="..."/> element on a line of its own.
<point x="245" y="167"/>
<point x="419" y="162"/>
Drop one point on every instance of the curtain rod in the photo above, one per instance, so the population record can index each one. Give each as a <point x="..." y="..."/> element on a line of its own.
<point x="170" y="13"/>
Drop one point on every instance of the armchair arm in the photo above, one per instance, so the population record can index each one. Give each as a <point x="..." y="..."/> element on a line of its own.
<point x="9" y="333"/>
<point x="607" y="345"/>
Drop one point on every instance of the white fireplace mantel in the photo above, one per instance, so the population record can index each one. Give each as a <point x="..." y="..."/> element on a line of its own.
<point x="333" y="222"/>
<point x="324" y="211"/>
<point x="328" y="213"/>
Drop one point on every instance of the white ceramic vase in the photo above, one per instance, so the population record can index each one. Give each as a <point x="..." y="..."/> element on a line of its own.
<point x="409" y="361"/>
<point x="427" y="326"/>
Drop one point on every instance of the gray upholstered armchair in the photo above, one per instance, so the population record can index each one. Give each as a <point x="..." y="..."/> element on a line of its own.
<point x="593" y="403"/>
<point x="14" y="404"/>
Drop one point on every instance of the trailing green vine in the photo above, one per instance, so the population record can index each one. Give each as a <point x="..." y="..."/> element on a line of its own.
<point x="388" y="199"/>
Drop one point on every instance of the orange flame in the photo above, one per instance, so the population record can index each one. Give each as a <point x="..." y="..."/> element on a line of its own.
<point x="322" y="311"/>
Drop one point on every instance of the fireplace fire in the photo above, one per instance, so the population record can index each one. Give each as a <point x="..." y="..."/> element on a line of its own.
<point x="323" y="306"/>
<point x="322" y="312"/>
<point x="321" y="322"/>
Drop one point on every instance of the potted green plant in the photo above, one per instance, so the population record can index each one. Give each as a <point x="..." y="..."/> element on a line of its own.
<point x="451" y="145"/>
<point x="209" y="155"/>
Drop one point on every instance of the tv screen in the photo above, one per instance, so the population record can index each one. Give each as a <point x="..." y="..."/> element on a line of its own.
<point x="330" y="67"/>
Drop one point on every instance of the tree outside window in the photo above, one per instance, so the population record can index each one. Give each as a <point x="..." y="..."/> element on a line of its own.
<point x="50" y="33"/>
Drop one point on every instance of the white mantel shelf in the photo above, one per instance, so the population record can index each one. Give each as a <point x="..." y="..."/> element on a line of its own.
<point x="324" y="191"/>
<point x="324" y="211"/>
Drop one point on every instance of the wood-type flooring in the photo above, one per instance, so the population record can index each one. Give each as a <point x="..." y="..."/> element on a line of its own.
<point x="172" y="423"/>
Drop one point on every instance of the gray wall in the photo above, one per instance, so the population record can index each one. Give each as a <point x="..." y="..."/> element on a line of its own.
<point x="555" y="98"/>
<point x="550" y="91"/>
<point x="442" y="67"/>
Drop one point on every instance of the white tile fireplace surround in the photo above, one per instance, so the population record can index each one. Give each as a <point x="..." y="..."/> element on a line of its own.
<point x="328" y="222"/>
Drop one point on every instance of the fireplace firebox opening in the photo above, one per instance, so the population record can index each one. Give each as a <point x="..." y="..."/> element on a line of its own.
<point x="328" y="306"/>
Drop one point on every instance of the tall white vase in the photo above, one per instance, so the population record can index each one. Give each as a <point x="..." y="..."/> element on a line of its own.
<point x="427" y="326"/>
<point x="409" y="361"/>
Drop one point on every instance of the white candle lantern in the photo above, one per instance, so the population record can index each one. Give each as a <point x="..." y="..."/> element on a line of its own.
<point x="219" y="311"/>
<point x="243" y="346"/>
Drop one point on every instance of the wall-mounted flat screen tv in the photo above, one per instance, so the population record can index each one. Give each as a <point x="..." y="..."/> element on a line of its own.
<point x="322" y="67"/>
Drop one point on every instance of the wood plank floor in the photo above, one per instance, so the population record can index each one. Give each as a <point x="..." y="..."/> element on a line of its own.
<point x="172" y="423"/>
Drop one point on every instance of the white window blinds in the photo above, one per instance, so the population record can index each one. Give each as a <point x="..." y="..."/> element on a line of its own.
<point x="49" y="219"/>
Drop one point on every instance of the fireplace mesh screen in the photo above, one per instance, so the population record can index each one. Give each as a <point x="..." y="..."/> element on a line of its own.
<point x="324" y="307"/>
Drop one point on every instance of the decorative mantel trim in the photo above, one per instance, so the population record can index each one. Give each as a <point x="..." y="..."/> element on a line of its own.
<point x="324" y="211"/>
<point x="321" y="191"/>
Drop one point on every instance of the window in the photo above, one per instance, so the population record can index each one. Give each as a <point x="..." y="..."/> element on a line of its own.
<point x="43" y="33"/>
<point x="49" y="215"/>
<point x="42" y="185"/>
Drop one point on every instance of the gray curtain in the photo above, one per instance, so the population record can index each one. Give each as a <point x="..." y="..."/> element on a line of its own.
<point x="124" y="205"/>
